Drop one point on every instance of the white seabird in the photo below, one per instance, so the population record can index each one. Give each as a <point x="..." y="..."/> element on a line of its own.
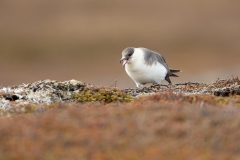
<point x="146" y="66"/>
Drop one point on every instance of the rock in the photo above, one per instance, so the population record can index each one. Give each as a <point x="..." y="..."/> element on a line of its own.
<point x="51" y="91"/>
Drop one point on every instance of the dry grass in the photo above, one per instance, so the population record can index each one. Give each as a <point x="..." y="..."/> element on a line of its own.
<point x="161" y="126"/>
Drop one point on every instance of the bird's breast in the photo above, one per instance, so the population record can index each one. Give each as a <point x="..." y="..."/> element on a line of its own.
<point x="142" y="73"/>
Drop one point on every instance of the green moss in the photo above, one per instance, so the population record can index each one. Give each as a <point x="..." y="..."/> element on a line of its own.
<point x="102" y="94"/>
<point x="29" y="109"/>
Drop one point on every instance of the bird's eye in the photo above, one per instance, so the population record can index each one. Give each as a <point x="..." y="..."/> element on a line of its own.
<point x="130" y="54"/>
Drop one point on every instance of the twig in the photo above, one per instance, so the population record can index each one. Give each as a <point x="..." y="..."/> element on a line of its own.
<point x="178" y="84"/>
<point x="115" y="84"/>
<point x="165" y="85"/>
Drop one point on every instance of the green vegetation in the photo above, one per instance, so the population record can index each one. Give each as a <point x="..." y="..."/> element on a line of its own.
<point x="102" y="94"/>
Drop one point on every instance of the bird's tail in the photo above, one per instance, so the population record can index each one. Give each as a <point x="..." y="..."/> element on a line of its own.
<point x="172" y="71"/>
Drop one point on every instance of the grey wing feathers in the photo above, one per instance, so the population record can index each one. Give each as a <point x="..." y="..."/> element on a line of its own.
<point x="173" y="75"/>
<point x="174" y="70"/>
<point x="152" y="57"/>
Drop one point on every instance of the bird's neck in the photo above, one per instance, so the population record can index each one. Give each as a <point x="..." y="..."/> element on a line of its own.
<point x="134" y="66"/>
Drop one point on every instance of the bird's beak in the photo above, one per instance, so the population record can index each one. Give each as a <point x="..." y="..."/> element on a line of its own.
<point x="124" y="60"/>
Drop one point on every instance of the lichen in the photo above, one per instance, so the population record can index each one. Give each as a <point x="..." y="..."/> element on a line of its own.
<point x="51" y="91"/>
<point x="221" y="87"/>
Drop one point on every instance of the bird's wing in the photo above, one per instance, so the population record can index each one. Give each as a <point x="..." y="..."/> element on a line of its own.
<point x="152" y="57"/>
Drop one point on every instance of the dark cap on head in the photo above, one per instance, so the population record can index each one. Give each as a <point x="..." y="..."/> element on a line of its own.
<point x="127" y="52"/>
<point x="126" y="55"/>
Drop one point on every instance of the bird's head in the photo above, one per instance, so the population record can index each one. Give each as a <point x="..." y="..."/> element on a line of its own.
<point x="127" y="56"/>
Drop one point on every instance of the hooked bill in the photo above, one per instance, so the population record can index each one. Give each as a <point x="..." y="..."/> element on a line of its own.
<point x="124" y="62"/>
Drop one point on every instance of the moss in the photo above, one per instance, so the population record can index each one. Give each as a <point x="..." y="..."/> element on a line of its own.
<point x="102" y="94"/>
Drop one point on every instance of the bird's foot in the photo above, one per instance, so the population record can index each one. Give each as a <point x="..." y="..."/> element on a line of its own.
<point x="139" y="86"/>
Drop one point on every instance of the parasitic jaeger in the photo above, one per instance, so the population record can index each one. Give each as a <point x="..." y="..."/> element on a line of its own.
<point x="146" y="66"/>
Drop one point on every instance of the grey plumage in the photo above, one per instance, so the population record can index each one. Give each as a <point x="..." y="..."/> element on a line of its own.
<point x="152" y="57"/>
<point x="128" y="51"/>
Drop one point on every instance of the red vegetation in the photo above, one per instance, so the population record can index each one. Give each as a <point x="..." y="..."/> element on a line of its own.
<point x="162" y="126"/>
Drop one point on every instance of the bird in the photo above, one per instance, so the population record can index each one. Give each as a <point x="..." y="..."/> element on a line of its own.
<point x="145" y="66"/>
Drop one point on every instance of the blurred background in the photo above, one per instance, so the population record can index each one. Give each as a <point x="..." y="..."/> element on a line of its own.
<point x="83" y="39"/>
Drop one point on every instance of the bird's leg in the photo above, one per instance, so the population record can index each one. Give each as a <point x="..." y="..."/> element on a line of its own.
<point x="139" y="85"/>
<point x="155" y="84"/>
